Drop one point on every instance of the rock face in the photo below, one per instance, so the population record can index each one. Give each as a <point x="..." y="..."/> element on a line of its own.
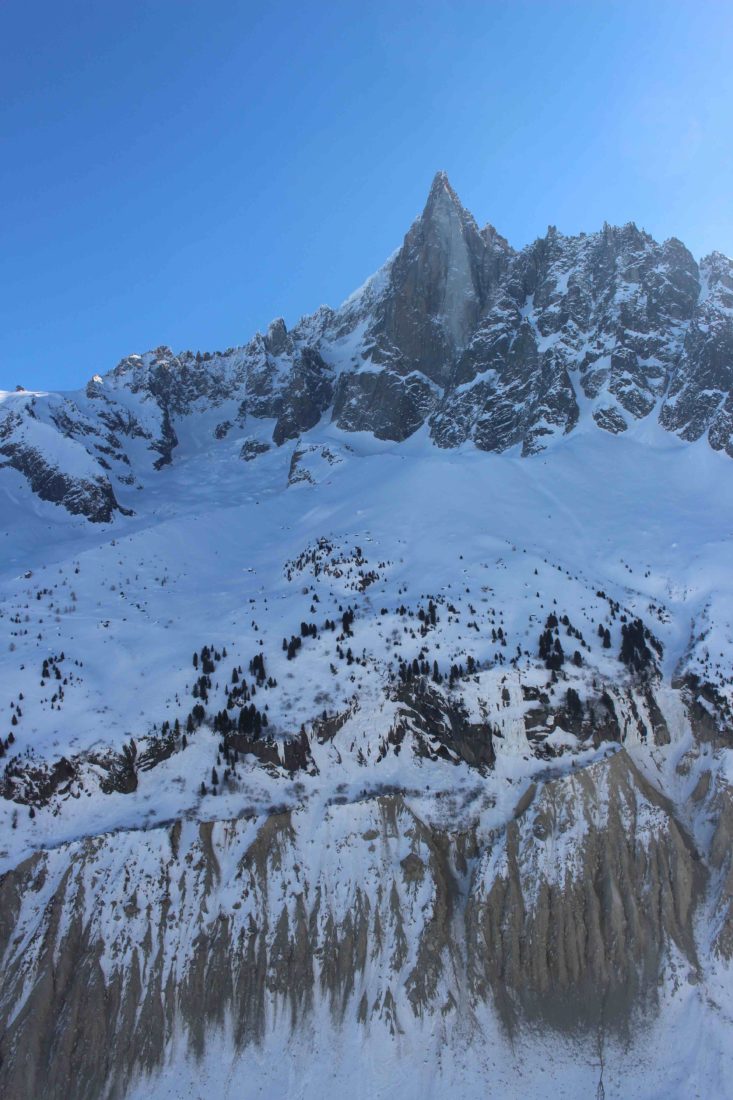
<point x="458" y="332"/>
<point x="439" y="283"/>
<point x="114" y="945"/>
<point x="700" y="394"/>
<point x="308" y="393"/>
<point x="603" y="313"/>
<point x="384" y="402"/>
<point x="57" y="469"/>
<point x="590" y="945"/>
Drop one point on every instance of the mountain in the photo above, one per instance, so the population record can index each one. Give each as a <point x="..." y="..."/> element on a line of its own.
<point x="367" y="704"/>
<point x="457" y="333"/>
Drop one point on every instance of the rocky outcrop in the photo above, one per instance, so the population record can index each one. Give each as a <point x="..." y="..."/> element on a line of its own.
<point x="700" y="398"/>
<point x="66" y="475"/>
<point x="609" y="309"/>
<point x="518" y="396"/>
<point x="310" y="463"/>
<point x="92" y="498"/>
<point x="441" y="729"/>
<point x="308" y="393"/>
<point x="384" y="402"/>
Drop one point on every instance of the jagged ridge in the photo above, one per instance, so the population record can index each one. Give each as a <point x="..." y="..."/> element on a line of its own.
<point x="458" y="332"/>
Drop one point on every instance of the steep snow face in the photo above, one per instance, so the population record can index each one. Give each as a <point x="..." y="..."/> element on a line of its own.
<point x="220" y="545"/>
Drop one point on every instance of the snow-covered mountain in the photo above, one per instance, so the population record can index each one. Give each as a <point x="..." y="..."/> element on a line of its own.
<point x="366" y="692"/>
<point x="457" y="332"/>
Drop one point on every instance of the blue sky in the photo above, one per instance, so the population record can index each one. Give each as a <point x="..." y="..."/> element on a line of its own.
<point x="182" y="172"/>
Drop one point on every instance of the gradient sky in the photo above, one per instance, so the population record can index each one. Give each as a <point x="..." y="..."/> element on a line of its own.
<point x="182" y="172"/>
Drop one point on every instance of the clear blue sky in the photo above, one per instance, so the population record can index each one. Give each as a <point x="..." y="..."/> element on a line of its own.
<point x="181" y="172"/>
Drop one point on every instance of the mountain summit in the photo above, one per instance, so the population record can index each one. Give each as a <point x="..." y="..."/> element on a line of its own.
<point x="439" y="283"/>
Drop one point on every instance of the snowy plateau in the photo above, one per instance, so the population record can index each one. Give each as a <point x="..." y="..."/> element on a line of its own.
<point x="365" y="694"/>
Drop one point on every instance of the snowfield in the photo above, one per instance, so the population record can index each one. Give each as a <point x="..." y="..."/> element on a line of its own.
<point x="645" y="520"/>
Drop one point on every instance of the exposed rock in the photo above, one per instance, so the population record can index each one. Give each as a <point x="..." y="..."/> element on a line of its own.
<point x="610" y="420"/>
<point x="309" y="463"/>
<point x="26" y="447"/>
<point x="439" y="282"/>
<point x="700" y="397"/>
<point x="291" y="754"/>
<point x="584" y="950"/>
<point x="442" y="728"/>
<point x="308" y="393"/>
<point x="389" y="405"/>
<point x="251" y="448"/>
<point x="235" y="918"/>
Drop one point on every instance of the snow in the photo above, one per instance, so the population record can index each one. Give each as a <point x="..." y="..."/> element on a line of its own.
<point x="58" y="451"/>
<point x="203" y="561"/>
<point x="681" y="1057"/>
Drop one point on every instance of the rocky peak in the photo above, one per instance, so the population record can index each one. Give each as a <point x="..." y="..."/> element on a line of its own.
<point x="717" y="273"/>
<point x="442" y="198"/>
<point x="438" y="285"/>
<point x="276" y="340"/>
<point x="495" y="242"/>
